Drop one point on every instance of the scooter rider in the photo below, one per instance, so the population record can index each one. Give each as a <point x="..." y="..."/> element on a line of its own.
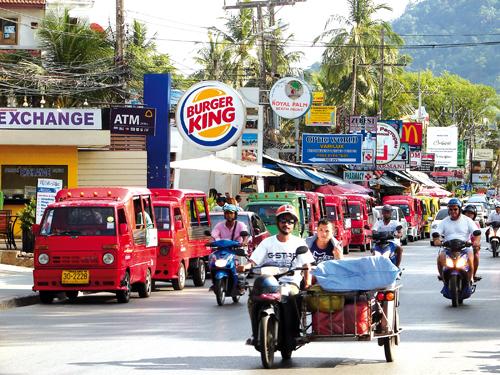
<point x="280" y="250"/>
<point x="494" y="216"/>
<point x="386" y="224"/>
<point x="231" y="228"/>
<point x="324" y="245"/>
<point x="456" y="226"/>
<point x="471" y="212"/>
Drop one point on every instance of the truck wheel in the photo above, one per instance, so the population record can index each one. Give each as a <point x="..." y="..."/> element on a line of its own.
<point x="199" y="273"/>
<point x="46" y="297"/>
<point x="405" y="241"/>
<point x="180" y="282"/>
<point x="144" y="289"/>
<point x="123" y="296"/>
<point x="346" y="250"/>
<point x="72" y="295"/>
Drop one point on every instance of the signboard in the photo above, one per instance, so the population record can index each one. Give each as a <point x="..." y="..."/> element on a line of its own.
<point x="290" y="98"/>
<point x="427" y="162"/>
<point x="318" y="98"/>
<point x="481" y="178"/>
<point x="412" y="133"/>
<point x="211" y="116"/>
<point x="331" y="148"/>
<point x="139" y="121"/>
<point x="440" y="180"/>
<point x="442" y="174"/>
<point x="353" y="176"/>
<point x="485" y="154"/>
<point x="46" y="118"/>
<point x="363" y="123"/>
<point x="396" y="124"/>
<point x="443" y="142"/>
<point x="393" y="166"/>
<point x="461" y="154"/>
<point x="388" y="143"/>
<point x="46" y="191"/>
<point x="324" y="115"/>
<point x="415" y="158"/>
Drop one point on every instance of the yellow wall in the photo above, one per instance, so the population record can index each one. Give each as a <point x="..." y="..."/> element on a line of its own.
<point x="40" y="155"/>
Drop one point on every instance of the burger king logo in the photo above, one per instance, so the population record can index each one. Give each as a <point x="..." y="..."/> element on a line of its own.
<point x="211" y="116"/>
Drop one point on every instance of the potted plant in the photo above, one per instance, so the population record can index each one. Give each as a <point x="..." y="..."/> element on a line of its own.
<point x="27" y="219"/>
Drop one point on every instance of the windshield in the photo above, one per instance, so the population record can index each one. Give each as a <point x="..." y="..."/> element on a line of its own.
<point x="477" y="199"/>
<point x="355" y="211"/>
<point x="404" y="207"/>
<point x="394" y="215"/>
<point x="162" y="215"/>
<point x="79" y="221"/>
<point x="215" y="219"/>
<point x="442" y="214"/>
<point x="266" y="211"/>
<point x="331" y="213"/>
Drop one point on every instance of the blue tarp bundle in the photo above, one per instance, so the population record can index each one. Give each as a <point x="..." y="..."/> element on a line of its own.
<point x="356" y="274"/>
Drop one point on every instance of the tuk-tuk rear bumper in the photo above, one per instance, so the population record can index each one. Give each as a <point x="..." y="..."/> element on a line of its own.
<point x="99" y="280"/>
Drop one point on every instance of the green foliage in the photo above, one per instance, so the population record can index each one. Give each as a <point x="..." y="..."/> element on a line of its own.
<point x="27" y="215"/>
<point x="458" y="17"/>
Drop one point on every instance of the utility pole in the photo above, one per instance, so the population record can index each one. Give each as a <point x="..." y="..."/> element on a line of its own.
<point x="381" y="89"/>
<point x="120" y="40"/>
<point x="471" y="145"/>
<point x="262" y="51"/>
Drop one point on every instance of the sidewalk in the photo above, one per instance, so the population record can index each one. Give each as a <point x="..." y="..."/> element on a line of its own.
<point x="15" y="287"/>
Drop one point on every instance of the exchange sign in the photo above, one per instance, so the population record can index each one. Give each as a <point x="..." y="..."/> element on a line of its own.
<point x="331" y="148"/>
<point x="388" y="143"/>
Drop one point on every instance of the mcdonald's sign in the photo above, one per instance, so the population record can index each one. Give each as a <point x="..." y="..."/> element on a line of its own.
<point x="412" y="133"/>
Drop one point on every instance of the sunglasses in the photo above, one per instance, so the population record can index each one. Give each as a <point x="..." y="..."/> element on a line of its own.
<point x="287" y="221"/>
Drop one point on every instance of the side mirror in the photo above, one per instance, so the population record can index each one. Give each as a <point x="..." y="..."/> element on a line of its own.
<point x="206" y="233"/>
<point x="476" y="233"/>
<point x="244" y="233"/>
<point x="367" y="227"/>
<point x="123" y="229"/>
<point x="178" y="225"/>
<point x="35" y="228"/>
<point x="240" y="252"/>
<point x="301" y="250"/>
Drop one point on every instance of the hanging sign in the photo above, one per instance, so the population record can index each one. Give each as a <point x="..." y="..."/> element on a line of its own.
<point x="363" y="123"/>
<point x="427" y="162"/>
<point x="388" y="143"/>
<point x="415" y="158"/>
<point x="321" y="115"/>
<point x="290" y="98"/>
<point x="211" y="116"/>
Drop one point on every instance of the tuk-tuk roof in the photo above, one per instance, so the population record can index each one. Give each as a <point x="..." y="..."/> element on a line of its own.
<point x="169" y="195"/>
<point x="99" y="195"/>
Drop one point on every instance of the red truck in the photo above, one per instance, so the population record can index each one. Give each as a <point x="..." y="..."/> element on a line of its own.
<point x="413" y="210"/>
<point x="362" y="219"/>
<point x="337" y="211"/>
<point x="317" y="209"/>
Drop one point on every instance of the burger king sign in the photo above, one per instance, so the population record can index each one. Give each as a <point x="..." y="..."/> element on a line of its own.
<point x="211" y="116"/>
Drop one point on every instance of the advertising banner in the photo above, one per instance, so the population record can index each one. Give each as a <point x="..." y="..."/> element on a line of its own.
<point x="396" y="124"/>
<point x="138" y="121"/>
<point x="324" y="115"/>
<point x="412" y="133"/>
<point x="331" y="148"/>
<point x="211" y="116"/>
<point x="443" y="142"/>
<point x="363" y="123"/>
<point x="392" y="166"/>
<point x="46" y="118"/>
<point x="482" y="154"/>
<point x="415" y="158"/>
<point x="46" y="191"/>
<point x="388" y="143"/>
<point x="318" y="98"/>
<point x="290" y="98"/>
<point x="353" y="176"/>
<point x="461" y="154"/>
<point x="481" y="178"/>
<point x="427" y="162"/>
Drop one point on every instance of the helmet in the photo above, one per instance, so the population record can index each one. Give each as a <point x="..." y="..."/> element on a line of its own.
<point x="230" y="208"/>
<point x="454" y="202"/>
<point x="387" y="207"/>
<point x="265" y="284"/>
<point x="470" y="208"/>
<point x="287" y="209"/>
<point x="497" y="204"/>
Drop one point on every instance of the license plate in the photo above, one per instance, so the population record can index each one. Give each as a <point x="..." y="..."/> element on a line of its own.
<point x="75" y="277"/>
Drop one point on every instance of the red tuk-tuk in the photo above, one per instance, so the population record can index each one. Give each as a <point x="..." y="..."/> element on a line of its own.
<point x="337" y="211"/>
<point x="413" y="211"/>
<point x="96" y="239"/>
<point x="362" y="219"/>
<point x="183" y="218"/>
<point x="317" y="209"/>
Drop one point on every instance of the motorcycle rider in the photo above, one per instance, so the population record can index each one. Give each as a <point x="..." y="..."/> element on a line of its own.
<point x="386" y="224"/>
<point x="231" y="228"/>
<point x="494" y="216"/>
<point x="324" y="245"/>
<point x="280" y="250"/>
<point x="456" y="226"/>
<point x="471" y="211"/>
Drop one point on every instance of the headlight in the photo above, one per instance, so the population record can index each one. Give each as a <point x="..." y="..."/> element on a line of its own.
<point x="449" y="263"/>
<point x="43" y="258"/>
<point x="461" y="262"/>
<point x="220" y="263"/>
<point x="164" y="250"/>
<point x="108" y="258"/>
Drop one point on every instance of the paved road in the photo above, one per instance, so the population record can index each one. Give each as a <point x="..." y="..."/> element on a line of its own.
<point x="185" y="332"/>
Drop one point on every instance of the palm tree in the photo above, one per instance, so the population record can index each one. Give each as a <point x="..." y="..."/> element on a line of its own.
<point x="215" y="59"/>
<point x="348" y="67"/>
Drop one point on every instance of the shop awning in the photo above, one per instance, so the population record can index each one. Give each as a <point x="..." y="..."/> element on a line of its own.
<point x="403" y="176"/>
<point x="330" y="177"/>
<point x="387" y="182"/>
<point x="424" y="179"/>
<point x="343" y="189"/>
<point x="299" y="173"/>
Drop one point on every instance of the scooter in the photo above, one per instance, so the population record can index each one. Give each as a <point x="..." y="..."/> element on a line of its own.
<point x="384" y="246"/>
<point x="495" y="238"/>
<point x="456" y="282"/>
<point x="222" y="263"/>
<point x="273" y="311"/>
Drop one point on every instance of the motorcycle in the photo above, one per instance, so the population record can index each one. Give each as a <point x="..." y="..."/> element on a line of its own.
<point x="495" y="238"/>
<point x="222" y="264"/>
<point x="456" y="282"/>
<point x="384" y="246"/>
<point x="274" y="312"/>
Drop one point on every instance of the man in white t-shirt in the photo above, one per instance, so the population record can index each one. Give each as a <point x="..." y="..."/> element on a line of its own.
<point x="456" y="227"/>
<point x="386" y="224"/>
<point x="494" y="216"/>
<point x="279" y="250"/>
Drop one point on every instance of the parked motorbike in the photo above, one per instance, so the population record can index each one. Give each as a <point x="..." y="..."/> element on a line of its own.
<point x="456" y="283"/>
<point x="222" y="264"/>
<point x="274" y="313"/>
<point x="495" y="238"/>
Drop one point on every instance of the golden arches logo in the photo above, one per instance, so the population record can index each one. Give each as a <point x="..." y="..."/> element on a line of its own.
<point x="148" y="113"/>
<point x="411" y="134"/>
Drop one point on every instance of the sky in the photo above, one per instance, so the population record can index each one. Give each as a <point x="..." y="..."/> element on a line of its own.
<point x="178" y="21"/>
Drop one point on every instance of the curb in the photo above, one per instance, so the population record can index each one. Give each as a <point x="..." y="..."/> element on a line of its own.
<point x="19" y="302"/>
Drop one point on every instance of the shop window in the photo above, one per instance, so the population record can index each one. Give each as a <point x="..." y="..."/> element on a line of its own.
<point x="19" y="181"/>
<point x="9" y="31"/>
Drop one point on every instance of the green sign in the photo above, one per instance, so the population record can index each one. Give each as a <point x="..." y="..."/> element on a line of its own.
<point x="461" y="154"/>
